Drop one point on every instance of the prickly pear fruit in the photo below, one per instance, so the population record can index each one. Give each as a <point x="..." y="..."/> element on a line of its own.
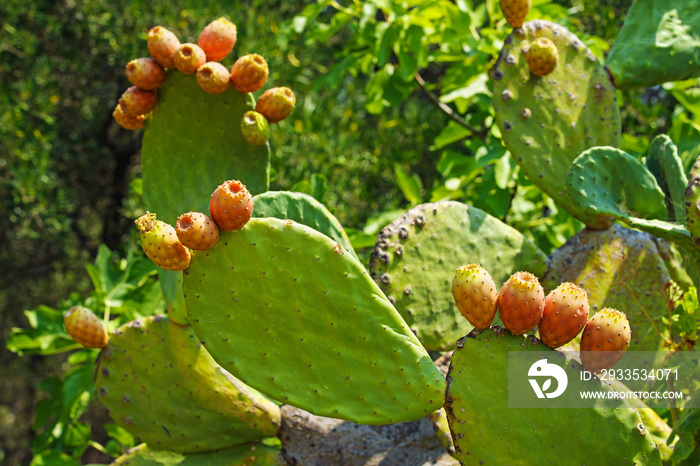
<point x="607" y="332"/>
<point x="135" y="101"/>
<point x="217" y="39"/>
<point x="475" y="295"/>
<point x="188" y="58"/>
<point x="249" y="73"/>
<point x="231" y="205"/>
<point x="521" y="302"/>
<point x="162" y="44"/>
<point x="515" y="11"/>
<point x="85" y="327"/>
<point x="564" y="315"/>
<point x="160" y="243"/>
<point x="197" y="231"/>
<point x="126" y="121"/>
<point x="276" y="104"/>
<point x="145" y="73"/>
<point x="213" y="77"/>
<point x="542" y="56"/>
<point x="255" y="128"/>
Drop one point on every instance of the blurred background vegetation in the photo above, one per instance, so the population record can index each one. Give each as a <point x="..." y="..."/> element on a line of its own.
<point x="368" y="137"/>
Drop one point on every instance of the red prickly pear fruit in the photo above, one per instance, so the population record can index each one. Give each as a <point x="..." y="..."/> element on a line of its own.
<point x="521" y="302"/>
<point x="213" y="77"/>
<point x="188" y="58"/>
<point x="217" y="39"/>
<point x="515" y="11"/>
<point x="162" y="44"/>
<point x="161" y="245"/>
<point x="249" y="73"/>
<point x="542" y="56"/>
<point x="276" y="104"/>
<point x="255" y="128"/>
<point x="231" y="205"/>
<point x="605" y="339"/>
<point x="475" y="295"/>
<point x="126" y="121"/>
<point x="135" y="101"/>
<point x="197" y="231"/>
<point x="564" y="316"/>
<point x="145" y="73"/>
<point x="85" y="327"/>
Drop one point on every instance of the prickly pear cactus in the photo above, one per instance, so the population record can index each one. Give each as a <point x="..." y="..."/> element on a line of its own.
<point x="159" y="384"/>
<point x="191" y="143"/>
<point x="659" y="42"/>
<point x="486" y="431"/>
<point x="547" y="121"/>
<point x="303" y="209"/>
<point x="415" y="259"/>
<point x="288" y="311"/>
<point x="667" y="167"/>
<point x="613" y="265"/>
<point x="608" y="181"/>
<point x="252" y="454"/>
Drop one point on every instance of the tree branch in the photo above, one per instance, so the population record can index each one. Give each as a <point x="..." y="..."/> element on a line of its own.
<point x="478" y="132"/>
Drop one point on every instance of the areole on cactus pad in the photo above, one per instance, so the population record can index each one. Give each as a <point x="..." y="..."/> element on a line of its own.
<point x="287" y="310"/>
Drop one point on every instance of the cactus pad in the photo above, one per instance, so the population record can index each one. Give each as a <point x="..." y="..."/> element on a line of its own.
<point x="659" y="42"/>
<point x="618" y="268"/>
<point x="667" y="167"/>
<point x="487" y="431"/>
<point x="287" y="310"/>
<point x="547" y="121"/>
<point x="191" y="143"/>
<point x="160" y="384"/>
<point x="415" y="259"/>
<point x="608" y="181"/>
<point x="303" y="209"/>
<point x="253" y="454"/>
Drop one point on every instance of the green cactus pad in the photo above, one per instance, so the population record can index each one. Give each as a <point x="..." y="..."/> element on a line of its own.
<point x="415" y="258"/>
<point x="486" y="431"/>
<point x="192" y="143"/>
<point x="303" y="209"/>
<point x="286" y="310"/>
<point x="160" y="384"/>
<point x="252" y="454"/>
<point x="619" y="268"/>
<point x="608" y="181"/>
<point x="659" y="42"/>
<point x="546" y="122"/>
<point x="667" y="167"/>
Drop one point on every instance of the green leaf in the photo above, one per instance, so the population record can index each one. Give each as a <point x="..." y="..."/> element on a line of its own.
<point x="46" y="336"/>
<point x="319" y="186"/>
<point x="410" y="185"/>
<point x="452" y="133"/>
<point x="120" y="435"/>
<point x="53" y="458"/>
<point x="477" y="85"/>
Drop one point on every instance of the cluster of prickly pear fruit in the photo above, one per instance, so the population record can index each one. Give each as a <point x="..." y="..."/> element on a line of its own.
<point x="248" y="74"/>
<point x="560" y="316"/>
<point x="230" y="207"/>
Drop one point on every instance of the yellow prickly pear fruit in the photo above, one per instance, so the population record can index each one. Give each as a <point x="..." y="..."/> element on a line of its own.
<point x="475" y="295"/>
<point x="161" y="244"/>
<point x="542" y="56"/>
<point x="85" y="327"/>
<point x="515" y="11"/>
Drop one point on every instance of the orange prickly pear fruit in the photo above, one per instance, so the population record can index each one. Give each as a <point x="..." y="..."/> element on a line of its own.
<point x="126" y="121"/>
<point x="161" y="244"/>
<point x="564" y="316"/>
<point x="521" y="302"/>
<point x="475" y="295"/>
<point x="605" y="339"/>
<point x="145" y="73"/>
<point x="515" y="11"/>
<point x="217" y="39"/>
<point x="276" y="104"/>
<point x="188" y="58"/>
<point x="231" y="205"/>
<point x="249" y="73"/>
<point x="197" y="231"/>
<point x="135" y="101"/>
<point x="213" y="77"/>
<point x="162" y="44"/>
<point x="542" y="56"/>
<point x="85" y="327"/>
